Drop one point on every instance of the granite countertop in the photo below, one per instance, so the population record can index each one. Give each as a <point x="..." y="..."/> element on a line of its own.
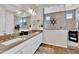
<point x="4" y="48"/>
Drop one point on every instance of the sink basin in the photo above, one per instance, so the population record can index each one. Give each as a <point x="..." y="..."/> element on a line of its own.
<point x="11" y="41"/>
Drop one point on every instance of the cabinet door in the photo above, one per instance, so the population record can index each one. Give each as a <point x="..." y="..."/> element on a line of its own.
<point x="27" y="47"/>
<point x="36" y="43"/>
<point x="30" y="48"/>
<point x="32" y="45"/>
<point x="26" y="50"/>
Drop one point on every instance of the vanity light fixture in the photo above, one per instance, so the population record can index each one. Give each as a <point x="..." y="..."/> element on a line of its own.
<point x="32" y="12"/>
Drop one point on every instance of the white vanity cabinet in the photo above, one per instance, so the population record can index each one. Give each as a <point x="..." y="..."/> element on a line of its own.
<point x="27" y="47"/>
<point x="32" y="45"/>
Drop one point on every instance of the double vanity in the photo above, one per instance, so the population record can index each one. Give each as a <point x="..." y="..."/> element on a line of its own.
<point x="28" y="44"/>
<point x="25" y="44"/>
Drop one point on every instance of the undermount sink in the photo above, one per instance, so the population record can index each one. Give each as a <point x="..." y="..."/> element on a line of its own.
<point x="11" y="41"/>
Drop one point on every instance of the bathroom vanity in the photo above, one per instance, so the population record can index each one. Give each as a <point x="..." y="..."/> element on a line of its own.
<point x="26" y="44"/>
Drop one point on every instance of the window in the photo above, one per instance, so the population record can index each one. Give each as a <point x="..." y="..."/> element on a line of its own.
<point x="47" y="18"/>
<point x="69" y="16"/>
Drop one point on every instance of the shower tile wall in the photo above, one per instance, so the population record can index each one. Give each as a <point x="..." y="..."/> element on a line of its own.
<point x="59" y="17"/>
<point x="61" y="21"/>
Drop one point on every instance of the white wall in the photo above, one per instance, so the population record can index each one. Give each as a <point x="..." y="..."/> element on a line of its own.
<point x="9" y="22"/>
<point x="6" y="22"/>
<point x="2" y="22"/>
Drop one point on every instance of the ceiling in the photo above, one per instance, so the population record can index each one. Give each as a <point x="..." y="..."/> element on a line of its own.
<point x="25" y="7"/>
<point x="14" y="7"/>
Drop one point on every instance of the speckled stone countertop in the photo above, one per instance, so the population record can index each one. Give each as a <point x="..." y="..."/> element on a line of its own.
<point x="4" y="48"/>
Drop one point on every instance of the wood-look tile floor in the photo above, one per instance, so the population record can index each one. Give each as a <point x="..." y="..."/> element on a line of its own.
<point x="49" y="49"/>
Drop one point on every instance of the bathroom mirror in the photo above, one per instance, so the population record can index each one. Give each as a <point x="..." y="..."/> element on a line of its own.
<point x="23" y="23"/>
